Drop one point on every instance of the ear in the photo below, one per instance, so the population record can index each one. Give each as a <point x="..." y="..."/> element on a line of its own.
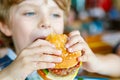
<point x="5" y="29"/>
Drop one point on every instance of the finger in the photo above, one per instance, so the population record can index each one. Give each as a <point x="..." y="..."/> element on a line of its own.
<point x="45" y="58"/>
<point x="84" y="58"/>
<point x="41" y="42"/>
<point x="49" y="50"/>
<point x="76" y="32"/>
<point x="41" y="50"/>
<point x="42" y="65"/>
<point x="77" y="47"/>
<point x="73" y="40"/>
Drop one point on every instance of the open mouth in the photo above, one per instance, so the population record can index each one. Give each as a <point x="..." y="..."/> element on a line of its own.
<point x="41" y="35"/>
<point x="42" y="38"/>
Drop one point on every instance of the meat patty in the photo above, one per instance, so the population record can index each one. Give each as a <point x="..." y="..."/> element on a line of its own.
<point x="66" y="71"/>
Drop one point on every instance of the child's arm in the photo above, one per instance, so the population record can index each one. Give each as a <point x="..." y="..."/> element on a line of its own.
<point x="110" y="65"/>
<point x="39" y="55"/>
<point x="107" y="65"/>
<point x="4" y="75"/>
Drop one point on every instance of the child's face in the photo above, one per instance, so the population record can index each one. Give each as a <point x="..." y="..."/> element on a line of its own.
<point x="33" y="19"/>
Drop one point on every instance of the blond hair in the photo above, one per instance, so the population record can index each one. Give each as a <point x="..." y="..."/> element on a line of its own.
<point x="5" y="6"/>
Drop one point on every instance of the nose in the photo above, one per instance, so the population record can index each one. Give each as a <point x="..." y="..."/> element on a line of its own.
<point x="44" y="22"/>
<point x="44" y="26"/>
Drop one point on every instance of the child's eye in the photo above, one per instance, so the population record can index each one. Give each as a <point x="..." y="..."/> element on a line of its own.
<point x="29" y="13"/>
<point x="56" y="15"/>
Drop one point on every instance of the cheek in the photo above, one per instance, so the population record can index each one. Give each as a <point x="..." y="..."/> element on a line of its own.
<point x="58" y="26"/>
<point x="20" y="28"/>
<point x="21" y="33"/>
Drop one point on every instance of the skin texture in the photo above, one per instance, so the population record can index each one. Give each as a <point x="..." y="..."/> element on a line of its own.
<point x="31" y="22"/>
<point x="3" y="52"/>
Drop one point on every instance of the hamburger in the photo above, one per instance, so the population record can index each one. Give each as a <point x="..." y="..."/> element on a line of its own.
<point x="68" y="68"/>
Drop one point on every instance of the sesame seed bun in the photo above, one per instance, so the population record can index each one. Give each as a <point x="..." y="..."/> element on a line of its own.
<point x="69" y="59"/>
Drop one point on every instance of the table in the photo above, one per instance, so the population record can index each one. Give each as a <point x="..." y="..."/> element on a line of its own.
<point x="94" y="75"/>
<point x="97" y="45"/>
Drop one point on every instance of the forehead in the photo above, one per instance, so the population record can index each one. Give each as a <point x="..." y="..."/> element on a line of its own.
<point x="39" y="2"/>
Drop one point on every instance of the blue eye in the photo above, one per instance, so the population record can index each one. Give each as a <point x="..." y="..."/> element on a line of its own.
<point x="30" y="14"/>
<point x="56" y="15"/>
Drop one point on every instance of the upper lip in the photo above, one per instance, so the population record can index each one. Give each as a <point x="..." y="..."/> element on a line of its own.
<point x="40" y="34"/>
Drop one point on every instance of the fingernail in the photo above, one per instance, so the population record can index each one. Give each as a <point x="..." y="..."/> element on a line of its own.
<point x="52" y="65"/>
<point x="70" y="50"/>
<point x="67" y="46"/>
<point x="53" y="46"/>
<point x="59" y="59"/>
<point x="59" y="52"/>
<point x="79" y="59"/>
<point x="68" y="38"/>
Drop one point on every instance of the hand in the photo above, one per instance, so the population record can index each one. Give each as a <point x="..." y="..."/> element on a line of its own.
<point x="77" y="43"/>
<point x="40" y="55"/>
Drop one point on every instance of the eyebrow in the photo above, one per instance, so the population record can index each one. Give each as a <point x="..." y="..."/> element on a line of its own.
<point x="28" y="4"/>
<point x="32" y="5"/>
<point x="36" y="6"/>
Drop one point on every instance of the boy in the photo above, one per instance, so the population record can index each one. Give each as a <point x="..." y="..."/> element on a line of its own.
<point x="28" y="23"/>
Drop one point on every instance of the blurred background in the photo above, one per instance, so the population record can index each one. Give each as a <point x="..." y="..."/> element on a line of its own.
<point x="98" y="21"/>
